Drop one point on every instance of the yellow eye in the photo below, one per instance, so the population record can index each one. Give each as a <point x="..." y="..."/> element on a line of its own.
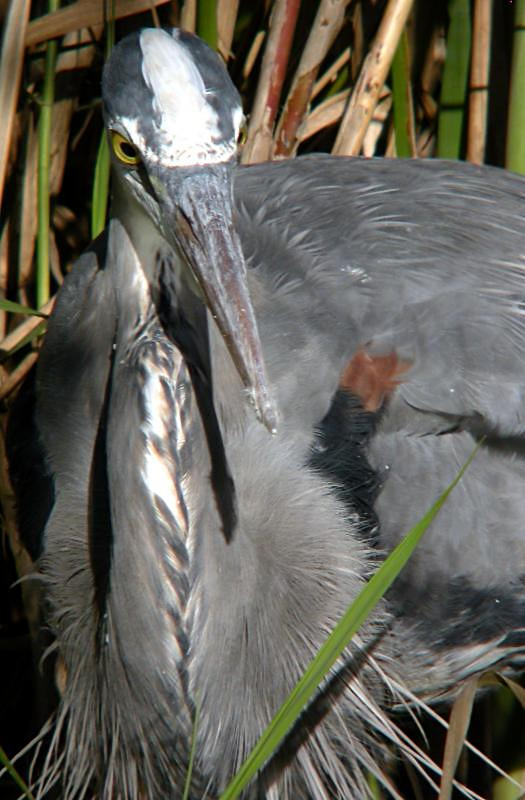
<point x="243" y="135"/>
<point x="124" y="150"/>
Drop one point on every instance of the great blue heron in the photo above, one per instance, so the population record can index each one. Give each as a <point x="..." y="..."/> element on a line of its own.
<point x="373" y="312"/>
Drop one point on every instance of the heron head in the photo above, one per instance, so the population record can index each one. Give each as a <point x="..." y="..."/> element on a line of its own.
<point x="173" y="118"/>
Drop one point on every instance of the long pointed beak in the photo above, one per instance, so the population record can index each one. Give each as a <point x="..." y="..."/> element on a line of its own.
<point x="205" y="234"/>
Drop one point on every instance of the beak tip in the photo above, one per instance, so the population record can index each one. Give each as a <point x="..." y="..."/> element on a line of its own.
<point x="269" y="420"/>
<point x="266" y="413"/>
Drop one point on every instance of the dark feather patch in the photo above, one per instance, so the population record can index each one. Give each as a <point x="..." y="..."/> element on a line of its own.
<point x="473" y="614"/>
<point x="100" y="531"/>
<point x="339" y="453"/>
<point x="31" y="478"/>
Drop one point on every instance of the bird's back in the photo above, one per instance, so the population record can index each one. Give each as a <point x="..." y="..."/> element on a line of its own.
<point x="403" y="283"/>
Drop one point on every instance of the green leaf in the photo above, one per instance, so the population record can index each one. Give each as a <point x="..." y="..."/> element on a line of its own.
<point x="99" y="199"/>
<point x="515" y="153"/>
<point x="402" y="99"/>
<point x="455" y="81"/>
<point x="207" y="22"/>
<point x="17" y="308"/>
<point x="15" y="775"/>
<point x="44" y="158"/>
<point x="100" y="188"/>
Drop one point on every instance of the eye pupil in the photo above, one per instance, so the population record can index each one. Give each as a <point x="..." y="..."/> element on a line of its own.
<point x="128" y="150"/>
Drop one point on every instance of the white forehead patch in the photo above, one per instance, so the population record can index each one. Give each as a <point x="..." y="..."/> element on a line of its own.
<point x="189" y="124"/>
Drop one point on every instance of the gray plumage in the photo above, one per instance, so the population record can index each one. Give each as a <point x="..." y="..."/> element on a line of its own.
<point x="155" y="613"/>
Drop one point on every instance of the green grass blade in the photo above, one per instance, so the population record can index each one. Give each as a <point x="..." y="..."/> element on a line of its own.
<point x="17" y="308"/>
<point x="375" y="789"/>
<point x="99" y="199"/>
<point x="44" y="158"/>
<point x="207" y="22"/>
<point x="15" y="775"/>
<point x="401" y="98"/>
<point x="503" y="789"/>
<point x="99" y="206"/>
<point x="334" y="646"/>
<point x="515" y="152"/>
<point x="455" y="81"/>
<point x="340" y="83"/>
